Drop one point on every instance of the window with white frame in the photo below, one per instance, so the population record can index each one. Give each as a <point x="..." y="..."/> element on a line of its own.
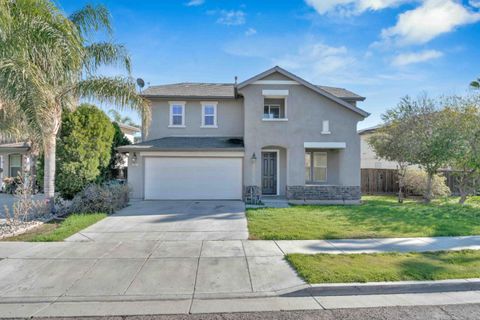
<point x="177" y="114"/>
<point x="315" y="166"/>
<point x="271" y="111"/>
<point x="209" y="114"/>
<point x="15" y="164"/>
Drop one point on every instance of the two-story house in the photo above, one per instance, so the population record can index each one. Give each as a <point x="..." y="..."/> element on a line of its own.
<point x="274" y="134"/>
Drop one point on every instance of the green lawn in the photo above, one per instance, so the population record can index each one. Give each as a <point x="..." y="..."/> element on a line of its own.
<point x="58" y="231"/>
<point x="331" y="268"/>
<point x="377" y="217"/>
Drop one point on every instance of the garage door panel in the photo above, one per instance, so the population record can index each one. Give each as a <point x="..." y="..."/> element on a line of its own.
<point x="193" y="178"/>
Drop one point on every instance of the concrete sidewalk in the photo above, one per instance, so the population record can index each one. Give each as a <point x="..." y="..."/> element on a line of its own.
<point x="379" y="245"/>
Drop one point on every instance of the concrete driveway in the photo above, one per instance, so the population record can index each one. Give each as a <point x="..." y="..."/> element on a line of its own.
<point x="170" y="252"/>
<point x="171" y="220"/>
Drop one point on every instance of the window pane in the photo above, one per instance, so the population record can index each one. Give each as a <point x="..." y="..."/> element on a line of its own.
<point x="320" y="159"/>
<point x="209" y="120"/>
<point x="271" y="112"/>
<point x="15" y="172"/>
<point x="275" y="111"/>
<point x="15" y="160"/>
<point x="177" y="109"/>
<point x="320" y="174"/>
<point x="177" y="120"/>
<point x="209" y="110"/>
<point x="307" y="167"/>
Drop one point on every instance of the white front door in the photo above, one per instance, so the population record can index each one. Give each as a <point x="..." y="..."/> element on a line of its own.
<point x="198" y="178"/>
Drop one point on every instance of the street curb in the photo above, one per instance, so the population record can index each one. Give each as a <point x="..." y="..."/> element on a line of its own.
<point x="374" y="288"/>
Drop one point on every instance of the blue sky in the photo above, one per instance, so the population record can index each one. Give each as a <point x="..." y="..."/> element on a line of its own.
<point x="381" y="49"/>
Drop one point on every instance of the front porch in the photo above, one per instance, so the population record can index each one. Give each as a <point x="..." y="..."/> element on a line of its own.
<point x="316" y="173"/>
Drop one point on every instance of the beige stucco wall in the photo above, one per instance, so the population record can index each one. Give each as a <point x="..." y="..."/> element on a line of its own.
<point x="306" y="110"/>
<point x="229" y="119"/>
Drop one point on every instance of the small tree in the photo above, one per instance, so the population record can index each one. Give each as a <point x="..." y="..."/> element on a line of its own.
<point x="463" y="114"/>
<point x="83" y="148"/>
<point x="424" y="127"/>
<point x="390" y="143"/>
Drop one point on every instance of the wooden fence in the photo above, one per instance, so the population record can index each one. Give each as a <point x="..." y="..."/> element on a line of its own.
<point x="378" y="181"/>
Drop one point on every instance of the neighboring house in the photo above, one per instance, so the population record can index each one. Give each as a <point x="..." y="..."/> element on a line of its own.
<point x="369" y="159"/>
<point x="130" y="132"/>
<point x="274" y="134"/>
<point x="13" y="158"/>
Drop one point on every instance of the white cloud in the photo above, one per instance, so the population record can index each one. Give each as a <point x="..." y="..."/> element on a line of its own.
<point x="250" y="32"/>
<point x="475" y="3"/>
<point x="431" y="19"/>
<point x="404" y="59"/>
<point x="318" y="60"/>
<point x="231" y="17"/>
<point x="349" y="7"/>
<point x="195" y="3"/>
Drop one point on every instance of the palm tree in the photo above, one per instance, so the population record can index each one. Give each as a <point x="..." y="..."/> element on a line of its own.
<point x="475" y="84"/>
<point x="118" y="118"/>
<point x="48" y="63"/>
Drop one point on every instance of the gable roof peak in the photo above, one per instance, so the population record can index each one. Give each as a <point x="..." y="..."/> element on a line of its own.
<point x="307" y="84"/>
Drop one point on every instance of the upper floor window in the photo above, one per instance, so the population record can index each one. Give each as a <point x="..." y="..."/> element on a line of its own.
<point x="177" y="114"/>
<point x="274" y="109"/>
<point x="209" y="114"/>
<point x="271" y="111"/>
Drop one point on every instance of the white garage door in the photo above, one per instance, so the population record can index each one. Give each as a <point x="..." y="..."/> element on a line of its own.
<point x="193" y="178"/>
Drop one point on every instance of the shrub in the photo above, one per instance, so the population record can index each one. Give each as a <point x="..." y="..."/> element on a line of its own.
<point x="11" y="184"/>
<point x="100" y="198"/>
<point x="416" y="183"/>
<point x="83" y="149"/>
<point x="25" y="208"/>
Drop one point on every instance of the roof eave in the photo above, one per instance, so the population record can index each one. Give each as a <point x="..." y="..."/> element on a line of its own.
<point x="156" y="96"/>
<point x="144" y="148"/>
<point x="14" y="149"/>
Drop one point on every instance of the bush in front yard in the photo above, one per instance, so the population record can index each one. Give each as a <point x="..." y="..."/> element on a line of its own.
<point x="100" y="198"/>
<point x="416" y="183"/>
<point x="83" y="149"/>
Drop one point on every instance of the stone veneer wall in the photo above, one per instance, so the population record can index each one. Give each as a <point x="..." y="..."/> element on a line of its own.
<point x="252" y="194"/>
<point x="319" y="192"/>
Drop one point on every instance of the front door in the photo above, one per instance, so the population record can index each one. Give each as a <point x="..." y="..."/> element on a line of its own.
<point x="269" y="172"/>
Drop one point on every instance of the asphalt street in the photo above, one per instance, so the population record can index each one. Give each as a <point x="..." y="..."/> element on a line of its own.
<point x="441" y="312"/>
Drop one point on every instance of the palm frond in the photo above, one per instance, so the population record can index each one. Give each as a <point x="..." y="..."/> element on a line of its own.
<point x="92" y="18"/>
<point x="116" y="116"/>
<point x="120" y="92"/>
<point x="106" y="53"/>
<point x="475" y="84"/>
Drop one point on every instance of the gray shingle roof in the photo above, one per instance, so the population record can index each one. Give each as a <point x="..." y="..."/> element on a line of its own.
<point x="342" y="93"/>
<point x="222" y="90"/>
<point x="188" y="89"/>
<point x="187" y="143"/>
